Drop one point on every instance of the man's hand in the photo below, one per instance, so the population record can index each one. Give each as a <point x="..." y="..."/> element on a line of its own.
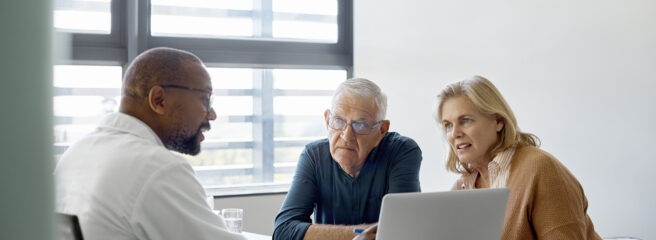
<point x="368" y="234"/>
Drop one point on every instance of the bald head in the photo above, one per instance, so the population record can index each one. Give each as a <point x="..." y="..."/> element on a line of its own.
<point x="156" y="66"/>
<point x="170" y="91"/>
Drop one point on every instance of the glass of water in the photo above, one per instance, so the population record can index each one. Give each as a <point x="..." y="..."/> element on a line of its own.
<point x="233" y="218"/>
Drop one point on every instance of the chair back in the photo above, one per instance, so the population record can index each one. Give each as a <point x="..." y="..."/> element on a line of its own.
<point x="68" y="227"/>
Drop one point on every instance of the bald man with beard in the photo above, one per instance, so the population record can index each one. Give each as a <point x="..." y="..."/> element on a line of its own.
<point x="121" y="180"/>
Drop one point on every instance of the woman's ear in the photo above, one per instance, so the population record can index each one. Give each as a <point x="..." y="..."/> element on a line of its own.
<point x="156" y="97"/>
<point x="500" y="124"/>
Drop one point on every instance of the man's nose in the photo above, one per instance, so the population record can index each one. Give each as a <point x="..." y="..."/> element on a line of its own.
<point x="211" y="115"/>
<point x="348" y="133"/>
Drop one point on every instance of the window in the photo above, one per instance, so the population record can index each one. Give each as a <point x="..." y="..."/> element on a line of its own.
<point x="236" y="148"/>
<point x="96" y="15"/>
<point x="273" y="63"/>
<point x="284" y="19"/>
<point x="82" y="94"/>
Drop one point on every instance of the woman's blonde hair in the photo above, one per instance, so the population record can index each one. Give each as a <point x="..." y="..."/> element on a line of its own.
<point x="487" y="99"/>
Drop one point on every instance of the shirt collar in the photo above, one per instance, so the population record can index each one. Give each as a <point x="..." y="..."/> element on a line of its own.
<point x="500" y="163"/>
<point x="125" y="123"/>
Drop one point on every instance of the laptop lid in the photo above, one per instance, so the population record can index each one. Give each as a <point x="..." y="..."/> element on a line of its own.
<point x="462" y="214"/>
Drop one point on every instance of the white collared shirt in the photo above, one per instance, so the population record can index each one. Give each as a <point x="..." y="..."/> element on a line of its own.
<point x="122" y="183"/>
<point x="498" y="171"/>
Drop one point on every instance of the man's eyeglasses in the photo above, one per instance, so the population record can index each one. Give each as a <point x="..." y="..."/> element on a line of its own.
<point x="206" y="101"/>
<point x="360" y="128"/>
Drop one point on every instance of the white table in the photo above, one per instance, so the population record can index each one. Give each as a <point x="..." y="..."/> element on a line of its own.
<point x="255" y="236"/>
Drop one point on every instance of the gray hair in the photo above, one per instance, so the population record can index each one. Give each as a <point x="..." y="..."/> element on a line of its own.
<point x="364" y="88"/>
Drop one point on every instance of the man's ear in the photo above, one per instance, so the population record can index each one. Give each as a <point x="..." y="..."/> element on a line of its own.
<point x="384" y="127"/>
<point x="326" y="116"/>
<point x="156" y="97"/>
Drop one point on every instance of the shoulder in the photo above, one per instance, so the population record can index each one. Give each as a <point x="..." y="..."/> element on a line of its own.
<point x="398" y="149"/>
<point x="150" y="160"/>
<point x="530" y="157"/>
<point x="533" y="164"/>
<point x="314" y="153"/>
<point x="317" y="145"/>
<point x="396" y="142"/>
<point x="124" y="152"/>
<point x="316" y="149"/>
<point x="155" y="153"/>
<point x="161" y="166"/>
<point x="163" y="156"/>
<point x="394" y="138"/>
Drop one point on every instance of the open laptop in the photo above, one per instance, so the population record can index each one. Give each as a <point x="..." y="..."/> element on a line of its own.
<point x="462" y="214"/>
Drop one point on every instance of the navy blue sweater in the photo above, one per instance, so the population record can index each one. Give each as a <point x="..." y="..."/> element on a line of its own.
<point x="321" y="186"/>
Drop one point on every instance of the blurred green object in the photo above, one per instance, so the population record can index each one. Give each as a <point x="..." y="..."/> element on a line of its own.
<point x="26" y="183"/>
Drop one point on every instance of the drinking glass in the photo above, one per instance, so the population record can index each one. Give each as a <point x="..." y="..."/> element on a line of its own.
<point x="233" y="218"/>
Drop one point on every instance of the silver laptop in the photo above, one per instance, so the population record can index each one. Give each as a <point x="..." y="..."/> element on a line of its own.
<point x="462" y="214"/>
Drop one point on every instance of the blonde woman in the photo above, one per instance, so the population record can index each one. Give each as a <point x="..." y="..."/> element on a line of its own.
<point x="486" y="147"/>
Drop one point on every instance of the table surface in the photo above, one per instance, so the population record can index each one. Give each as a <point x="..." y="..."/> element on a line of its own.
<point x="255" y="236"/>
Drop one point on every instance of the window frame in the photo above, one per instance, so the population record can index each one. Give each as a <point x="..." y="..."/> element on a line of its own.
<point x="130" y="35"/>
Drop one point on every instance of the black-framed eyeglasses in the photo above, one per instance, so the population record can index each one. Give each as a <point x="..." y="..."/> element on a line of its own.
<point x="360" y="128"/>
<point x="206" y="101"/>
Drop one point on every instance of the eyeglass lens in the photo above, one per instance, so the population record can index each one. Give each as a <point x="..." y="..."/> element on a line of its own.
<point x="358" y="127"/>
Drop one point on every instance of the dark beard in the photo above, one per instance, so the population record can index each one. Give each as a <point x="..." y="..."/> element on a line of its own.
<point x="183" y="142"/>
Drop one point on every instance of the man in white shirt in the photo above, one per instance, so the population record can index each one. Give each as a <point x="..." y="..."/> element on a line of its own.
<point x="122" y="181"/>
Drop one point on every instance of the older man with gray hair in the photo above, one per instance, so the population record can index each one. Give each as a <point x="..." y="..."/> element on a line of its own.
<point x="343" y="178"/>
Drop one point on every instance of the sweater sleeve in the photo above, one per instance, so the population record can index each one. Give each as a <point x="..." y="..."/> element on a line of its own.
<point x="570" y="230"/>
<point x="404" y="172"/>
<point x="559" y="207"/>
<point x="293" y="220"/>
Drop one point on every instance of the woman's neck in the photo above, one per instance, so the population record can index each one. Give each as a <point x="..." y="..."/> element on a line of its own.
<point x="482" y="180"/>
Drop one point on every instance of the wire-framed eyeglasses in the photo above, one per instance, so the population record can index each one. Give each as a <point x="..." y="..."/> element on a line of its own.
<point x="360" y="128"/>
<point x="207" y="102"/>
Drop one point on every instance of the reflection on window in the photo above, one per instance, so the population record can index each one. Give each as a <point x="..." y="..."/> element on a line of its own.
<point x="283" y="19"/>
<point x="86" y="16"/>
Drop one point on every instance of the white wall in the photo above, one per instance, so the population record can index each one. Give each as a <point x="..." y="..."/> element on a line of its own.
<point x="579" y="74"/>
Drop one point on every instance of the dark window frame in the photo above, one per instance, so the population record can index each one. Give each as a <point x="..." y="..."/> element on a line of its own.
<point x="130" y="35"/>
